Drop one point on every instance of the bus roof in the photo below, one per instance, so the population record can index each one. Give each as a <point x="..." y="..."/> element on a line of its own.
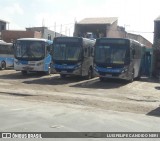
<point x="127" y="39"/>
<point x="33" y="39"/>
<point x="82" y="38"/>
<point x="4" y="43"/>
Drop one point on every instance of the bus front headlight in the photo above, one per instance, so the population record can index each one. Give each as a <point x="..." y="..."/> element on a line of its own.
<point x="40" y="63"/>
<point x="77" y="66"/>
<point x="16" y="62"/>
<point x="125" y="69"/>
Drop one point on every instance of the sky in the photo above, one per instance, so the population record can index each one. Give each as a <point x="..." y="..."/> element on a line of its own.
<point x="137" y="16"/>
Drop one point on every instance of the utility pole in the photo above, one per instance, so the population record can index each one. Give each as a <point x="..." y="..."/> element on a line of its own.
<point x="55" y="29"/>
<point x="61" y="30"/>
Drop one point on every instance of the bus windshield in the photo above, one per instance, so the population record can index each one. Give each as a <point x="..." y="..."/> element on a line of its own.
<point x="110" y="54"/>
<point x="30" y="49"/>
<point x="67" y="52"/>
<point x="6" y="49"/>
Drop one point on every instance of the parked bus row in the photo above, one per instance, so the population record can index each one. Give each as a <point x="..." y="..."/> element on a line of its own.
<point x="103" y="58"/>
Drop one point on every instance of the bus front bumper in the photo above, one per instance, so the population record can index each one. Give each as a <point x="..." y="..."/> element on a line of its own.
<point x="120" y="74"/>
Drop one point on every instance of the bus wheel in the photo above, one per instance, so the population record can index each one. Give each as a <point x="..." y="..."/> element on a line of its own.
<point x="3" y="65"/>
<point x="63" y="75"/>
<point x="49" y="70"/>
<point x="132" y="77"/>
<point x="24" y="72"/>
<point x="90" y="74"/>
<point x="139" y="76"/>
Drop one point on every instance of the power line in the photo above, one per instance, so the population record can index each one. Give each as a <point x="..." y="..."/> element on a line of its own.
<point x="61" y="25"/>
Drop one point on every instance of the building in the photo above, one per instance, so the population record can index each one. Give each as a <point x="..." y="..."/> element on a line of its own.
<point x="140" y="39"/>
<point x="34" y="32"/>
<point x="45" y="32"/>
<point x="156" y="48"/>
<point x="105" y="27"/>
<point x="99" y="27"/>
<point x="3" y="26"/>
<point x="12" y="35"/>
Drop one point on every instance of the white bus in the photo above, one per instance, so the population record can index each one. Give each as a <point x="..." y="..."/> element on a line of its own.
<point x="6" y="55"/>
<point x="117" y="58"/>
<point x="32" y="55"/>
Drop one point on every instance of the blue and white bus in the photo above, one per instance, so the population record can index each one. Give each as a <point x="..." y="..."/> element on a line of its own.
<point x="73" y="56"/>
<point x="32" y="55"/>
<point x="6" y="55"/>
<point x="118" y="58"/>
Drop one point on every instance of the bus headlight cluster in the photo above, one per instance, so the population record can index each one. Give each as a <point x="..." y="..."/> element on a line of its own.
<point x="77" y="66"/>
<point x="95" y="68"/>
<point x="39" y="64"/>
<point x="124" y="69"/>
<point x="16" y="62"/>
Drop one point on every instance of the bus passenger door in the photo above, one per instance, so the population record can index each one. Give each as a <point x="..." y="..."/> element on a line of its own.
<point x="86" y="61"/>
<point x="131" y="62"/>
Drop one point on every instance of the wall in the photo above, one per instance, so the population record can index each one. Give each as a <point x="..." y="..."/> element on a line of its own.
<point x="11" y="35"/>
<point x="156" y="49"/>
<point x="45" y="32"/>
<point x="2" y="26"/>
<point x="140" y="39"/>
<point x="114" y="31"/>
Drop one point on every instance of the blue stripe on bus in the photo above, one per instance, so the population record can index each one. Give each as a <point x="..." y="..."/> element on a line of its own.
<point x="57" y="66"/>
<point x="47" y="62"/>
<point x="23" y="62"/>
<point x="109" y="70"/>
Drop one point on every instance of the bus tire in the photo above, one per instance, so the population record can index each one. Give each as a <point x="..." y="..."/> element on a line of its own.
<point x="24" y="72"/>
<point x="49" y="70"/>
<point x="132" y="77"/>
<point x="3" y="65"/>
<point x="63" y="76"/>
<point x="90" y="74"/>
<point x="138" y="77"/>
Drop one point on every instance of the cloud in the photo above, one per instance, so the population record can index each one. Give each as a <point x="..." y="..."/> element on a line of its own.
<point x="10" y="12"/>
<point x="14" y="9"/>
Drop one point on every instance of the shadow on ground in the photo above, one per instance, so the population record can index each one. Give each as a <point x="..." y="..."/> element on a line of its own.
<point x="157" y="88"/>
<point x="155" y="112"/>
<point x="18" y="75"/>
<point x="148" y="79"/>
<point x="97" y="84"/>
<point x="54" y="80"/>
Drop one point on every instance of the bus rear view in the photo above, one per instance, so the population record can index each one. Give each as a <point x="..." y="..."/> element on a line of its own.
<point x="116" y="58"/>
<point x="72" y="56"/>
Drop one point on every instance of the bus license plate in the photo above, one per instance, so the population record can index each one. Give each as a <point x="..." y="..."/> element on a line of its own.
<point x="108" y="75"/>
<point x="63" y="71"/>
